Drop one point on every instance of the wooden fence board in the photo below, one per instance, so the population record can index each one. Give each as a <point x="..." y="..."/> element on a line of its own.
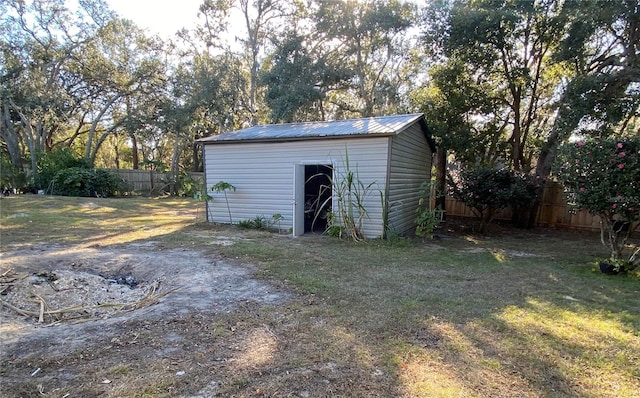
<point x="554" y="211"/>
<point x="146" y="180"/>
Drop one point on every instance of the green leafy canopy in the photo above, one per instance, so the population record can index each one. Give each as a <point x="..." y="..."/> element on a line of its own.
<point x="602" y="175"/>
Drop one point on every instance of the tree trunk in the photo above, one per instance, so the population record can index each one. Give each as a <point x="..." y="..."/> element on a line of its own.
<point x="195" y="155"/>
<point x="10" y="137"/>
<point x="117" y="153"/>
<point x="92" y="130"/>
<point x="134" y="152"/>
<point x="516" y="137"/>
<point x="565" y="122"/>
<point x="174" y="165"/>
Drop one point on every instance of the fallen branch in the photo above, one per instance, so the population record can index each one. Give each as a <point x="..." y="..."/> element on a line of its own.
<point x="18" y="310"/>
<point x="41" y="317"/>
<point x="6" y="276"/>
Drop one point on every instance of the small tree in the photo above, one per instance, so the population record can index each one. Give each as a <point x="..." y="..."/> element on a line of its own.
<point x="602" y="175"/>
<point x="223" y="186"/>
<point x="486" y="191"/>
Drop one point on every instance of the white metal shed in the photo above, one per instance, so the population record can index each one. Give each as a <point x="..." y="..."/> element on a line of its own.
<point x="288" y="169"/>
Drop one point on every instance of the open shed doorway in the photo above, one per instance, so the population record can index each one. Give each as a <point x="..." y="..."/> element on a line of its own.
<point x="317" y="197"/>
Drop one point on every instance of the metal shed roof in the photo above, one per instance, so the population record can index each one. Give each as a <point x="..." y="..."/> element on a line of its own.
<point x="371" y="126"/>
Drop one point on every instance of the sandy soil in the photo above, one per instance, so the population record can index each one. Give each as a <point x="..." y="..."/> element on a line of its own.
<point x="184" y="290"/>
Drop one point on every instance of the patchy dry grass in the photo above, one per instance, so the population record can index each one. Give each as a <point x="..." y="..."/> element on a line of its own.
<point x="516" y="313"/>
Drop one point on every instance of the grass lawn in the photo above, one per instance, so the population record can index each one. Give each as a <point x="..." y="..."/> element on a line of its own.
<point x="511" y="314"/>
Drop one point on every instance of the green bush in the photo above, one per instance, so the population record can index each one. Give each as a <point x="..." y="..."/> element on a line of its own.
<point x="79" y="181"/>
<point x="188" y="186"/>
<point x="11" y="177"/>
<point x="487" y="191"/>
<point x="50" y="163"/>
<point x="602" y="175"/>
<point x="261" y="223"/>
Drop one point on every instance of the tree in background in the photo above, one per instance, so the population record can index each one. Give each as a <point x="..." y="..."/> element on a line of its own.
<point x="72" y="79"/>
<point x="202" y="95"/>
<point x="261" y="25"/>
<point x="40" y="40"/>
<point x="451" y="103"/>
<point x="371" y="39"/>
<point x="554" y="66"/>
<point x="121" y="68"/>
<point x="505" y="47"/>
<point x="343" y="59"/>
<point x="298" y="82"/>
<point x="602" y="49"/>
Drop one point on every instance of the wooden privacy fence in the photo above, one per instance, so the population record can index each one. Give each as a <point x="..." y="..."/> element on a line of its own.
<point x="148" y="180"/>
<point x="554" y="211"/>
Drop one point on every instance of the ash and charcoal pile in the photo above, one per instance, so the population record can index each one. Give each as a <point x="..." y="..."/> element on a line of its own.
<point x="51" y="297"/>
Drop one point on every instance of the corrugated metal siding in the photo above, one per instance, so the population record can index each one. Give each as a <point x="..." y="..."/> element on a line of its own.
<point x="409" y="167"/>
<point x="263" y="174"/>
<point x="382" y="125"/>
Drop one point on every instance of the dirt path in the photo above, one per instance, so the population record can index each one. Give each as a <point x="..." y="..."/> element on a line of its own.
<point x="199" y="287"/>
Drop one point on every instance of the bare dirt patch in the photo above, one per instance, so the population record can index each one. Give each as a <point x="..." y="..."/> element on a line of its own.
<point x="126" y="305"/>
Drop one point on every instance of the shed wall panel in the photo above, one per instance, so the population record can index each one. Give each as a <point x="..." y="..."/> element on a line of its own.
<point x="410" y="166"/>
<point x="263" y="174"/>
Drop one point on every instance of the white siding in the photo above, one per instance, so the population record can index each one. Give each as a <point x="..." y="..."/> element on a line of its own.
<point x="409" y="167"/>
<point x="263" y="174"/>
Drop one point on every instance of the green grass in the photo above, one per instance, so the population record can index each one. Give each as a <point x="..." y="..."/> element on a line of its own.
<point x="51" y="219"/>
<point x="515" y="313"/>
<point x="489" y="316"/>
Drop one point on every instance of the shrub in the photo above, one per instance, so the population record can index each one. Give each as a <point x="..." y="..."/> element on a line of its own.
<point x="487" y="191"/>
<point x="186" y="185"/>
<point x="79" y="181"/>
<point x="50" y="163"/>
<point x="602" y="175"/>
<point x="261" y="223"/>
<point x="11" y="177"/>
<point x="350" y="195"/>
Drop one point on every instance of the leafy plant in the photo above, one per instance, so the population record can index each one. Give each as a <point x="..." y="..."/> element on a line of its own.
<point x="334" y="229"/>
<point x="602" y="175"/>
<point x="246" y="224"/>
<point x="79" y="181"/>
<point x="427" y="219"/>
<point x="223" y="186"/>
<point x="486" y="191"/>
<point x="51" y="163"/>
<point x="203" y="198"/>
<point x="11" y="177"/>
<point x="187" y="185"/>
<point x="276" y="219"/>
<point x="261" y="223"/>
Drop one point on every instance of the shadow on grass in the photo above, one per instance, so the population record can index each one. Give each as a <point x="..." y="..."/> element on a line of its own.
<point x="469" y="316"/>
